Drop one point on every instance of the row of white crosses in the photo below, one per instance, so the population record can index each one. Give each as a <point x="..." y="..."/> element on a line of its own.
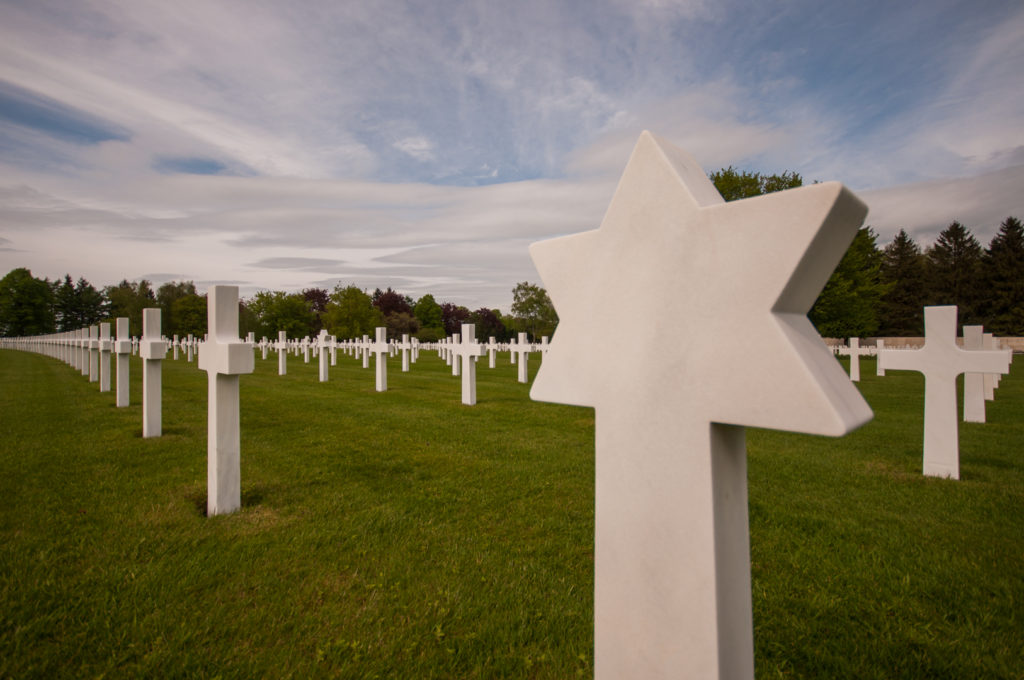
<point x="89" y="350"/>
<point x="941" y="361"/>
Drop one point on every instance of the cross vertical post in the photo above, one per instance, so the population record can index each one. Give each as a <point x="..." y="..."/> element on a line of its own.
<point x="152" y="349"/>
<point x="105" y="347"/>
<point x="380" y="349"/>
<point x="224" y="357"/>
<point x="94" y="353"/>
<point x="322" y="356"/>
<point x="406" y="346"/>
<point x="974" y="383"/>
<point x="123" y="349"/>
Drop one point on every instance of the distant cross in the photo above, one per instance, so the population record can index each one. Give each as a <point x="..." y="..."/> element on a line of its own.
<point x="974" y="383"/>
<point x="153" y="349"/>
<point x="522" y="349"/>
<point x="94" y="353"/>
<point x="854" y="351"/>
<point x="282" y="352"/>
<point x="879" y="346"/>
<point x="492" y="351"/>
<point x="224" y="357"/>
<point x="105" y="347"/>
<point x="406" y="347"/>
<point x="83" y="351"/>
<point x="364" y="349"/>
<point x="941" y="361"/>
<point x="322" y="357"/>
<point x="672" y="559"/>
<point x="453" y="357"/>
<point x="123" y="350"/>
<point x="380" y="349"/>
<point x="466" y="353"/>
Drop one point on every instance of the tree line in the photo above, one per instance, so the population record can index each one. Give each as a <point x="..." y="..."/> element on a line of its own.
<point x="32" y="306"/>
<point x="874" y="291"/>
<point x="883" y="291"/>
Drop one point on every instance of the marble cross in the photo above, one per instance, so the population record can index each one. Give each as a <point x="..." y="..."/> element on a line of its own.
<point x="466" y="353"/>
<point x="879" y="346"/>
<point x="854" y="351"/>
<point x="123" y="350"/>
<point x="492" y="351"/>
<point x="282" y="352"/>
<point x="224" y="356"/>
<point x="175" y="344"/>
<point x="94" y="353"/>
<point x="941" y="361"/>
<point x="380" y="349"/>
<point x="406" y="347"/>
<point x="672" y="558"/>
<point x="105" y="347"/>
<point x="322" y="355"/>
<point x="453" y="358"/>
<point x="83" y="351"/>
<point x="522" y="349"/>
<point x="974" y="383"/>
<point x="152" y="349"/>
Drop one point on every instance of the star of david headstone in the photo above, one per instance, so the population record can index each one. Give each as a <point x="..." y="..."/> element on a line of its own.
<point x="672" y="555"/>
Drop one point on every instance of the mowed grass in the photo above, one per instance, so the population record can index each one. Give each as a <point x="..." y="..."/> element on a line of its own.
<point x="404" y="535"/>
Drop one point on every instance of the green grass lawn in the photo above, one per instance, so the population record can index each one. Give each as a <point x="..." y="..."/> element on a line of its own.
<point x="404" y="535"/>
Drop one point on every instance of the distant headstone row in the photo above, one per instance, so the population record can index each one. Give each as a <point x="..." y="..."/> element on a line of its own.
<point x="941" y="360"/>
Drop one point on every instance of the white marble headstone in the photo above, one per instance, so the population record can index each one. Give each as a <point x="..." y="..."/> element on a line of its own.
<point x="672" y="561"/>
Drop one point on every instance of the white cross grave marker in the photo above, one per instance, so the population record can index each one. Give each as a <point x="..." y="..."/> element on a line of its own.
<point x="672" y="557"/>
<point x="466" y="353"/>
<point x="380" y="348"/>
<point x="322" y="356"/>
<point x="492" y="351"/>
<point x="521" y="348"/>
<point x="974" y="383"/>
<point x="105" y="347"/>
<point x="879" y="346"/>
<point x="854" y="351"/>
<point x="152" y="349"/>
<point x="405" y="346"/>
<point x="123" y="349"/>
<point x="94" y="353"/>
<point x="941" y="361"/>
<point x="224" y="357"/>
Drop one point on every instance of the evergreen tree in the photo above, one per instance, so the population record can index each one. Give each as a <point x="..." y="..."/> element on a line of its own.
<point x="848" y="305"/>
<point x="903" y="271"/>
<point x="954" y="272"/>
<point x="1004" y="279"/>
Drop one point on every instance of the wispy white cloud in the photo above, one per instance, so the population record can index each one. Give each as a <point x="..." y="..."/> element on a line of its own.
<point x="284" y="145"/>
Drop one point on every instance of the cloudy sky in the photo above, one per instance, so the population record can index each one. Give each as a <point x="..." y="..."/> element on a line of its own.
<point x="423" y="146"/>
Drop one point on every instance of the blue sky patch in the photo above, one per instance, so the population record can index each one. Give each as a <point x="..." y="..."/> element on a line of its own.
<point x="170" y="165"/>
<point x="52" y="118"/>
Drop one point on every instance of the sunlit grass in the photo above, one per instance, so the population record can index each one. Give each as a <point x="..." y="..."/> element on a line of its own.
<point x="404" y="535"/>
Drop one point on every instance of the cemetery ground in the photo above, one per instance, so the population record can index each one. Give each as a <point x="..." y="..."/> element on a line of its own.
<point x="404" y="535"/>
